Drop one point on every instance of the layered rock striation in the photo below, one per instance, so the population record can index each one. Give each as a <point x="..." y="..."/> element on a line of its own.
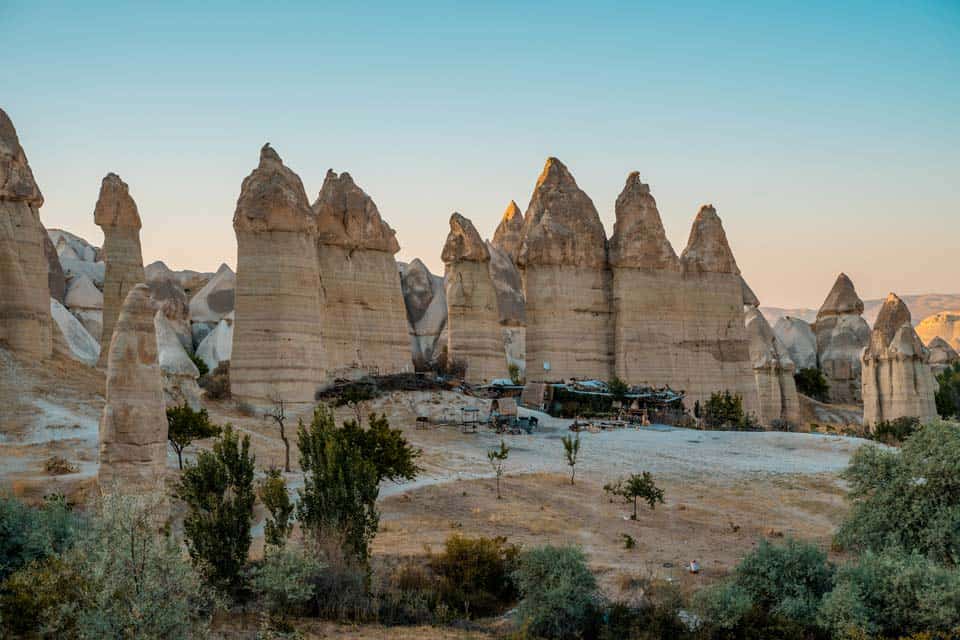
<point x="116" y="213"/>
<point x="897" y="380"/>
<point x="773" y="370"/>
<point x="566" y="281"/>
<point x="945" y="325"/>
<point x="841" y="333"/>
<point x="277" y="332"/>
<point x="133" y="427"/>
<point x="25" y="321"/>
<point x="473" y="316"/>
<point x="425" y="299"/>
<point x="365" y="326"/>
<point x="508" y="284"/>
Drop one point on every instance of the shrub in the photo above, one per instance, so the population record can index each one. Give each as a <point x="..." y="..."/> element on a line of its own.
<point x="59" y="466"/>
<point x="28" y="534"/>
<point x="476" y="574"/>
<point x="338" y="502"/>
<point x="723" y="606"/>
<point x="559" y="597"/>
<point x="910" y="499"/>
<point x="218" y="490"/>
<point x="897" y="430"/>
<point x="198" y="362"/>
<point x="947" y="395"/>
<point x="656" y="617"/>
<point x="217" y="382"/>
<point x="618" y="388"/>
<point x="812" y="383"/>
<point x="892" y="593"/>
<point x="514" y="372"/>
<point x="286" y="582"/>
<point x="635" y="487"/>
<point x="40" y="598"/>
<point x="184" y="425"/>
<point x="725" y="410"/>
<point x="274" y="496"/>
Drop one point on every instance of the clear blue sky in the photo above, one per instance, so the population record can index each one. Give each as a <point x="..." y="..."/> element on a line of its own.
<point x="828" y="138"/>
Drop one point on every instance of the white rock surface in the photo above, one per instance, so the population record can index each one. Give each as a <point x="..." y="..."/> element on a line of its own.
<point x="96" y="271"/>
<point x="72" y="246"/>
<point x="178" y="371"/>
<point x="83" y="294"/>
<point x="218" y="345"/>
<point x="216" y="299"/>
<point x="80" y="345"/>
<point x="797" y="336"/>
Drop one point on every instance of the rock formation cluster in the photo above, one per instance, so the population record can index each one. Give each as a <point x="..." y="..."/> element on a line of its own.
<point x="942" y="355"/>
<point x="365" y="327"/>
<point x="798" y="337"/>
<point x="566" y="281"/>
<point x="25" y="322"/>
<point x="512" y="307"/>
<point x="425" y="299"/>
<point x="773" y="370"/>
<point x="473" y="316"/>
<point x="277" y="331"/>
<point x="116" y="213"/>
<point x="897" y="380"/>
<point x="842" y="333"/>
<point x="945" y="325"/>
<point x="133" y="428"/>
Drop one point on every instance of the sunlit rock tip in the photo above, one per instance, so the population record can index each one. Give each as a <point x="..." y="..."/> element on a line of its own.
<point x="348" y="217"/>
<point x="509" y="232"/>
<point x="708" y="250"/>
<point x="464" y="243"/>
<point x="272" y="198"/>
<point x="639" y="239"/>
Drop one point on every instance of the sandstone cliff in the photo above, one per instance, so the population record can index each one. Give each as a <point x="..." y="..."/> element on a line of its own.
<point x="133" y="428"/>
<point x="277" y="332"/>
<point x="945" y="324"/>
<point x="473" y="318"/>
<point x="509" y="233"/>
<point x="25" y="322"/>
<point x="116" y="213"/>
<point x="508" y="283"/>
<point x="942" y="355"/>
<point x="566" y="281"/>
<point x="897" y="380"/>
<point x="365" y="324"/>
<point x="842" y="333"/>
<point x="773" y="370"/>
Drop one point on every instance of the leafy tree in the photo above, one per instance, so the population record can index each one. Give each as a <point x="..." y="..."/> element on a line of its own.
<point x="279" y="415"/>
<point x="184" y="425"/>
<point x="28" y="534"/>
<point x="618" y="388"/>
<point x="387" y="449"/>
<point x="725" y="409"/>
<point x="571" y="449"/>
<point x="274" y="496"/>
<point x="476" y="574"/>
<point x="812" y="383"/>
<point x="947" y="395"/>
<point x="910" y="499"/>
<point x="897" y="430"/>
<point x="497" y="458"/>
<point x="286" y="582"/>
<point x="634" y="487"/>
<point x="559" y="596"/>
<point x="354" y="395"/>
<point x="338" y="502"/>
<point x="218" y="490"/>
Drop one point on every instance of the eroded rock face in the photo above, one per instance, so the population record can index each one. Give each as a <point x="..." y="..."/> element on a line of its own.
<point x="897" y="380"/>
<point x="178" y="371"/>
<point x="945" y="325"/>
<point x="366" y="327"/>
<point x="509" y="233"/>
<point x="216" y="298"/>
<point x="508" y="284"/>
<point x="70" y="337"/>
<point x="56" y="280"/>
<point x="188" y="280"/>
<point x="171" y="301"/>
<point x="116" y="213"/>
<point x="426" y="302"/>
<point x="277" y="332"/>
<point x="799" y="340"/>
<point x="133" y="428"/>
<point x="942" y="355"/>
<point x="25" y="322"/>
<point x="773" y="370"/>
<point x="473" y="318"/>
<point x="639" y="240"/>
<point x="567" y="285"/>
<point x="841" y="333"/>
<point x="217" y="346"/>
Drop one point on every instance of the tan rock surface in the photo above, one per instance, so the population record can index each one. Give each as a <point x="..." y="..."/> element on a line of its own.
<point x="508" y="284"/>
<point x="133" y="428"/>
<point x="897" y="380"/>
<point x="773" y="370"/>
<point x="945" y="324"/>
<point x="473" y="317"/>
<point x="942" y="355"/>
<point x="25" y="322"/>
<point x="841" y="333"/>
<point x="509" y="233"/>
<point x="277" y="332"/>
<point x="365" y="327"/>
<point x="567" y="285"/>
<point x="116" y="213"/>
<point x="56" y="280"/>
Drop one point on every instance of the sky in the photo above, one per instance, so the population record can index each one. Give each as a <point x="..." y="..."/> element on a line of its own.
<point x="827" y="137"/>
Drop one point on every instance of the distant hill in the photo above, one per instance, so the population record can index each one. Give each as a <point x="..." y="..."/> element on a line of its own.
<point x="921" y="305"/>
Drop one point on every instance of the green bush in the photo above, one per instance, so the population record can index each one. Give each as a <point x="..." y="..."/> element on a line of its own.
<point x="286" y="582"/>
<point x="217" y="382"/>
<point x="947" y="395"/>
<point x="392" y="456"/>
<point x="476" y="574"/>
<point x="274" y="496"/>
<point x="892" y="593"/>
<point x="725" y="410"/>
<point x="408" y="593"/>
<point x="218" y="491"/>
<point x="812" y="383"/>
<point x="910" y="499"/>
<point x="636" y="487"/>
<point x="184" y="425"/>
<point x="559" y="597"/>
<point x="198" y="362"/>
<point x="897" y="430"/>
<point x="41" y="598"/>
<point x="28" y="533"/>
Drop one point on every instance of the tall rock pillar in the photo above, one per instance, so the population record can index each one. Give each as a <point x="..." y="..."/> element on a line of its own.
<point x="277" y="331"/>
<point x="841" y="333"/>
<point x="567" y="284"/>
<point x="773" y="371"/>
<point x="116" y="213"/>
<point x="365" y="326"/>
<point x="473" y="318"/>
<point x="133" y="428"/>
<point x="25" y="322"/>
<point x="897" y="380"/>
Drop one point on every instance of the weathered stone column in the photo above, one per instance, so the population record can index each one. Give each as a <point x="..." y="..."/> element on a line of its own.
<point x="116" y="213"/>
<point x="773" y="371"/>
<point x="509" y="233"/>
<point x="25" y="322"/>
<point x="841" y="336"/>
<point x="365" y="326"/>
<point x="133" y="428"/>
<point x="897" y="380"/>
<point x="473" y="319"/>
<point x="567" y="285"/>
<point x="277" y="331"/>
